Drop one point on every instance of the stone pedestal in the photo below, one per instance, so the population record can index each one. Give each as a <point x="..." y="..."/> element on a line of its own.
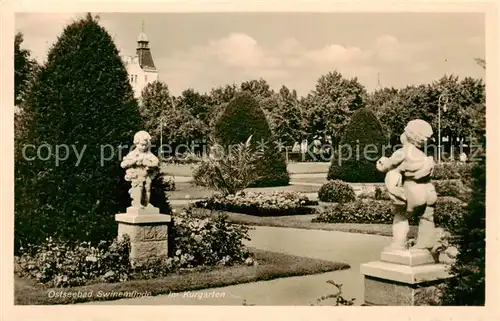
<point x="148" y="232"/>
<point x="402" y="278"/>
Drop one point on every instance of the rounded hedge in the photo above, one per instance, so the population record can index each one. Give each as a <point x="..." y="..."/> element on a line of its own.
<point x="361" y="146"/>
<point x="242" y="118"/>
<point x="336" y="191"/>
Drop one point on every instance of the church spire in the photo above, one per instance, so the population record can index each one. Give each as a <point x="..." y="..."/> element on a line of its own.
<point x="143" y="51"/>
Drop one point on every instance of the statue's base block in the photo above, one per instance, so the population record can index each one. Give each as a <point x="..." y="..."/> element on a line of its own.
<point x="403" y="278"/>
<point x="148" y="231"/>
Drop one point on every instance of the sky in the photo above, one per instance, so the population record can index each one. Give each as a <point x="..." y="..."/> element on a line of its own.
<point x="206" y="50"/>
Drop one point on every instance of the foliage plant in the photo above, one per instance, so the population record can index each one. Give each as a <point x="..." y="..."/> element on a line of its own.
<point x="229" y="173"/>
<point x="361" y="146"/>
<point x="262" y="204"/>
<point x="336" y="191"/>
<point x="241" y="118"/>
<point x="81" y="99"/>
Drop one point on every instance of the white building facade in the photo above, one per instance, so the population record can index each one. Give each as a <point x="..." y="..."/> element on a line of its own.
<point x="140" y="67"/>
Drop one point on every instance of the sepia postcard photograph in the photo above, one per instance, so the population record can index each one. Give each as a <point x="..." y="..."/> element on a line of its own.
<point x="265" y="158"/>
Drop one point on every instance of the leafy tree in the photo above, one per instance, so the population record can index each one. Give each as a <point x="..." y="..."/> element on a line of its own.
<point x="24" y="67"/>
<point x="81" y="99"/>
<point x="360" y="148"/>
<point x="156" y="101"/>
<point x="287" y="118"/>
<point x="462" y="108"/>
<point x="195" y="104"/>
<point x="242" y="118"/>
<point x="259" y="89"/>
<point x="331" y="104"/>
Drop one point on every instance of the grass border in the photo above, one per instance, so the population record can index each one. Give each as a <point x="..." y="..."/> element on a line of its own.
<point x="303" y="221"/>
<point x="272" y="265"/>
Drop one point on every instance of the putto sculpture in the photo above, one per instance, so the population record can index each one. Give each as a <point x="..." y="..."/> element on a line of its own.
<point x="141" y="166"/>
<point x="408" y="181"/>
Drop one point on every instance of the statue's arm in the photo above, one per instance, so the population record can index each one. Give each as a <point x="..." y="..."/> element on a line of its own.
<point x="385" y="164"/>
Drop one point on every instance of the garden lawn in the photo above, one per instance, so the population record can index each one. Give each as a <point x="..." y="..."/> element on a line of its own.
<point x="304" y="222"/>
<point x="271" y="266"/>
<point x="308" y="168"/>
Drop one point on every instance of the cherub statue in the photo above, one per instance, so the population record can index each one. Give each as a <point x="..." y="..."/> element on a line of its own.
<point x="408" y="181"/>
<point x="141" y="166"/>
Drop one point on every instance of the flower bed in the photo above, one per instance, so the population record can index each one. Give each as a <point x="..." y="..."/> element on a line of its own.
<point x="196" y="244"/>
<point x="448" y="209"/>
<point x="261" y="204"/>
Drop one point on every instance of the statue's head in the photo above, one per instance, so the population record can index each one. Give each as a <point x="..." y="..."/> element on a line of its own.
<point x="417" y="132"/>
<point x="142" y="140"/>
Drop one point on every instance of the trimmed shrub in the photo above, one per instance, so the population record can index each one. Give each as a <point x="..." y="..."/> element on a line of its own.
<point x="452" y="170"/>
<point x="469" y="236"/>
<point x="370" y="211"/>
<point x="261" y="204"/>
<point x="242" y="118"/>
<point x="336" y="191"/>
<point x="363" y="131"/>
<point x="455" y="188"/>
<point x="81" y="99"/>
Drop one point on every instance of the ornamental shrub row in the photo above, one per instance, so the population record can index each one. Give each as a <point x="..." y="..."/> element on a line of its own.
<point x="453" y="187"/>
<point x="277" y="203"/>
<point x="369" y="211"/>
<point x="452" y="170"/>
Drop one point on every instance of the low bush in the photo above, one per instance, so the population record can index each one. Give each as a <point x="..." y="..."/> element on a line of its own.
<point x="262" y="204"/>
<point x="336" y="191"/>
<point x="453" y="187"/>
<point x="208" y="241"/>
<point x="369" y="211"/>
<point x="196" y="243"/>
<point x="452" y="170"/>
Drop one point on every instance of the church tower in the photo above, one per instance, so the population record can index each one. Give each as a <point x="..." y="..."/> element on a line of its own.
<point x="141" y="68"/>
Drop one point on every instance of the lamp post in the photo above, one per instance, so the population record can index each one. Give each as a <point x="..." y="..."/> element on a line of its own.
<point x="161" y="138"/>
<point x="443" y="99"/>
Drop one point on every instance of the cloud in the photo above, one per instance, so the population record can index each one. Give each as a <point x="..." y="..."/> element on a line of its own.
<point x="238" y="50"/>
<point x="336" y="53"/>
<point x="388" y="48"/>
